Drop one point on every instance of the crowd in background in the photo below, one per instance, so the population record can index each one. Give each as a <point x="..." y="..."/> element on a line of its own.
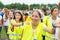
<point x="42" y="24"/>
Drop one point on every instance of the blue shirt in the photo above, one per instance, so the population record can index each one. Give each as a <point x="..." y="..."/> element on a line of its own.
<point x="1" y="13"/>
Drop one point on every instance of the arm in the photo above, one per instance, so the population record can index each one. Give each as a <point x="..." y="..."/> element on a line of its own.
<point x="16" y="24"/>
<point x="49" y="30"/>
<point x="57" y="23"/>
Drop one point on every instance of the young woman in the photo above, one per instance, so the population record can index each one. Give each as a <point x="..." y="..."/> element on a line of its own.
<point x="54" y="18"/>
<point x="46" y="20"/>
<point x="34" y="30"/>
<point x="15" y="27"/>
<point x="5" y="19"/>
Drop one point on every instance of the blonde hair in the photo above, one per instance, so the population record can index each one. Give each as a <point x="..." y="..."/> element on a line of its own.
<point x="6" y="12"/>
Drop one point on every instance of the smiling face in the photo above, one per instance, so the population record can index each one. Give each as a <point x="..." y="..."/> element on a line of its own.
<point x="17" y="16"/>
<point x="35" y="17"/>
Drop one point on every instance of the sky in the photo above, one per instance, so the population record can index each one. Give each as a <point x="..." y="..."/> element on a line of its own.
<point x="30" y="1"/>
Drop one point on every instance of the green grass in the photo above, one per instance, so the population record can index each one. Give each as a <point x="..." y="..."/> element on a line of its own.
<point x="3" y="34"/>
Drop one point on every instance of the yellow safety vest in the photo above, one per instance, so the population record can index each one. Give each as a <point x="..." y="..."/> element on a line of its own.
<point x="28" y="32"/>
<point x="48" y="23"/>
<point x="16" y="34"/>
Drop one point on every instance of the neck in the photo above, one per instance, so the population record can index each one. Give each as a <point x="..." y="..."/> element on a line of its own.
<point x="17" y="20"/>
<point x="34" y="25"/>
<point x="54" y="17"/>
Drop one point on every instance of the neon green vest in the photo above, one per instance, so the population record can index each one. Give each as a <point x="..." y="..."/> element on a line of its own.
<point x="48" y="23"/>
<point x="28" y="32"/>
<point x="16" y="34"/>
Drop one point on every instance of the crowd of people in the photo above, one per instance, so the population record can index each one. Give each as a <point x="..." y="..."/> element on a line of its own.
<point x="42" y="24"/>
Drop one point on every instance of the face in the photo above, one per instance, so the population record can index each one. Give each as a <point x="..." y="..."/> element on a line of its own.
<point x="11" y="14"/>
<point x="55" y="12"/>
<point x="17" y="16"/>
<point x="35" y="17"/>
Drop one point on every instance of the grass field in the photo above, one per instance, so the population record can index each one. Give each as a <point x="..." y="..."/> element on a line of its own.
<point x="3" y="34"/>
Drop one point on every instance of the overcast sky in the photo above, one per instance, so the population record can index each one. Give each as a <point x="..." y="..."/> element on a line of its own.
<point x="30" y="1"/>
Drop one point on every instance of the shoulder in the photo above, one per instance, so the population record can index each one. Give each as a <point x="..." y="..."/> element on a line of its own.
<point x="47" y="16"/>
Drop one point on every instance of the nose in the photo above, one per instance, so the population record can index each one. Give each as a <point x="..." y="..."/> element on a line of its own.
<point x="34" y="17"/>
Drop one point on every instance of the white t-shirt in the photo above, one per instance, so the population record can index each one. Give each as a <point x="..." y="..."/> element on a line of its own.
<point x="34" y="35"/>
<point x="56" y="32"/>
<point x="6" y="22"/>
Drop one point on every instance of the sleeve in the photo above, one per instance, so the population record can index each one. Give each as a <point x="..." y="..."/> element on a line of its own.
<point x="48" y="22"/>
<point x="44" y="27"/>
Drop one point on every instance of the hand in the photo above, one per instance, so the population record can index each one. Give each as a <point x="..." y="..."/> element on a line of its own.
<point x="57" y="23"/>
<point x="27" y="23"/>
<point x="19" y="24"/>
<point x="16" y="24"/>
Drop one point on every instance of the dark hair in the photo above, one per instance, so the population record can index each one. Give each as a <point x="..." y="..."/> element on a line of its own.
<point x="26" y="14"/>
<point x="53" y="9"/>
<point x="21" y="19"/>
<point x="44" y="10"/>
<point x="38" y="14"/>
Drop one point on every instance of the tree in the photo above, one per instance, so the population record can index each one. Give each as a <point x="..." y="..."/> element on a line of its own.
<point x="34" y="6"/>
<point x="24" y="6"/>
<point x="1" y="5"/>
<point x="43" y="6"/>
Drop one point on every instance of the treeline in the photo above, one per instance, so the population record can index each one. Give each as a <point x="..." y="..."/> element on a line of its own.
<point x="25" y="6"/>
